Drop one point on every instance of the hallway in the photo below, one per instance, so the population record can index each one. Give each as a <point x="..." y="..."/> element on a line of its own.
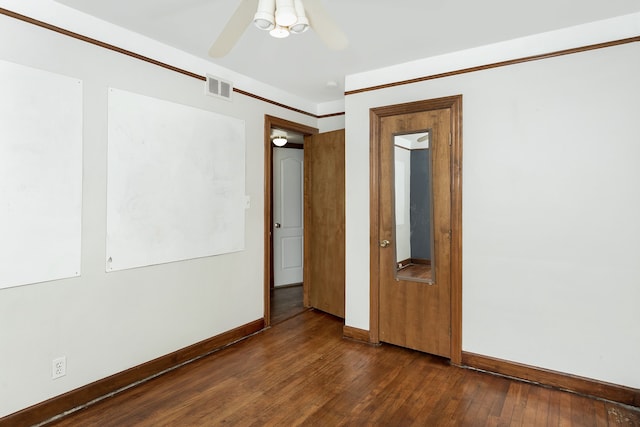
<point x="286" y="302"/>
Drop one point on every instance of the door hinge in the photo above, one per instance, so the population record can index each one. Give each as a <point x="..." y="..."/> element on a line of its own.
<point x="450" y="138"/>
<point x="449" y="234"/>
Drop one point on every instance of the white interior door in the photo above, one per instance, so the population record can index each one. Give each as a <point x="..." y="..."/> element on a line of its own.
<point x="288" y="185"/>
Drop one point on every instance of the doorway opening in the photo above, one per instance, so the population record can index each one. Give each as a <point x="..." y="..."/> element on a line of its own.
<point x="284" y="293"/>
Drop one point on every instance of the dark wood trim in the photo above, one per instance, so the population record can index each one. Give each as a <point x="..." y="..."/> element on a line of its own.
<point x="559" y="380"/>
<point x="355" y="334"/>
<point x="324" y="116"/>
<point x="277" y="104"/>
<point x="456" y="230"/>
<point x="271" y="122"/>
<point x="289" y="125"/>
<point x="374" y="229"/>
<point x="293" y="145"/>
<point x="306" y="240"/>
<point x="268" y="219"/>
<point x="454" y="103"/>
<point x="138" y="374"/>
<point x="497" y="64"/>
<point x="95" y="42"/>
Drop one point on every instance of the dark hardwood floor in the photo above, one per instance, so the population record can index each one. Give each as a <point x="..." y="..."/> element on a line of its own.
<point x="302" y="372"/>
<point x="286" y="302"/>
<point x="415" y="271"/>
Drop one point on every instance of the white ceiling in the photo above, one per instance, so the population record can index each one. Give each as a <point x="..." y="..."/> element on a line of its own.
<point x="380" y="33"/>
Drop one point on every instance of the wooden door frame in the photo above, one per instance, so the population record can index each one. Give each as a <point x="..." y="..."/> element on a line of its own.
<point x="269" y="123"/>
<point x="454" y="103"/>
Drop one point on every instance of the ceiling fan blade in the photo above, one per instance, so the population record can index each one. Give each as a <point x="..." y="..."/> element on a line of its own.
<point x="322" y="23"/>
<point x="236" y="25"/>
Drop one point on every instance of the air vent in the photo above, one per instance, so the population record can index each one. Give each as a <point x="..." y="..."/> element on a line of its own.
<point x="219" y="88"/>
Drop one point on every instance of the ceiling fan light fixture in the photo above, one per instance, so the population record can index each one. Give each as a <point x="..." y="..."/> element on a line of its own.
<point x="279" y="32"/>
<point x="299" y="27"/>
<point x="280" y="17"/>
<point x="302" y="24"/>
<point x="264" y="18"/>
<point x="279" y="141"/>
<point x="263" y="24"/>
<point x="285" y="13"/>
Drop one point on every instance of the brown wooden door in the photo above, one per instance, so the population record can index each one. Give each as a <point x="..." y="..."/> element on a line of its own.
<point x="324" y="258"/>
<point x="416" y="314"/>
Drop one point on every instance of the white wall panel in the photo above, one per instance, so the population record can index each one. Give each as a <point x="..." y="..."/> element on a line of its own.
<point x="40" y="171"/>
<point x="175" y="182"/>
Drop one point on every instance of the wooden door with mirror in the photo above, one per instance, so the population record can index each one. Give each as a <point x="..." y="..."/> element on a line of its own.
<point x="414" y="235"/>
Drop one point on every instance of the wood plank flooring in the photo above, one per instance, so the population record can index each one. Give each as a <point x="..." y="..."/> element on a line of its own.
<point x="302" y="372"/>
<point x="286" y="302"/>
<point x="415" y="271"/>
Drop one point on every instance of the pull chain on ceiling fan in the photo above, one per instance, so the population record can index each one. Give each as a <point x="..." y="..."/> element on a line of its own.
<point x="280" y="18"/>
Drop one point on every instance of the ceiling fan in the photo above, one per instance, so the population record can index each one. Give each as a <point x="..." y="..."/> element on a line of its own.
<point x="279" y="17"/>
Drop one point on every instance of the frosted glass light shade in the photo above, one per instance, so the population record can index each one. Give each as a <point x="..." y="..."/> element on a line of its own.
<point x="263" y="23"/>
<point x="279" y="141"/>
<point x="302" y="24"/>
<point x="264" y="17"/>
<point x="279" y="32"/>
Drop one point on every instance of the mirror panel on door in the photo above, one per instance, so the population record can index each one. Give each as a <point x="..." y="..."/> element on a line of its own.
<point x="413" y="207"/>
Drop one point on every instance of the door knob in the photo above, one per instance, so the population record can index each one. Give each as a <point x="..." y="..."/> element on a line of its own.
<point x="277" y="225"/>
<point x="384" y="243"/>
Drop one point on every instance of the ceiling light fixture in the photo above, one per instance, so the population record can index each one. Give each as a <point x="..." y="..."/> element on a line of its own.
<point x="279" y="32"/>
<point x="280" y="17"/>
<point x="279" y="141"/>
<point x="285" y="13"/>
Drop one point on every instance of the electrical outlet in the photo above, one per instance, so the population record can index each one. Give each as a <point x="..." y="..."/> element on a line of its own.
<point x="59" y="367"/>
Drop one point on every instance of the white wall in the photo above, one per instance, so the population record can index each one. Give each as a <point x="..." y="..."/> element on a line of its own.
<point x="402" y="159"/>
<point x="332" y="123"/>
<point x="551" y="203"/>
<point x="105" y="323"/>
